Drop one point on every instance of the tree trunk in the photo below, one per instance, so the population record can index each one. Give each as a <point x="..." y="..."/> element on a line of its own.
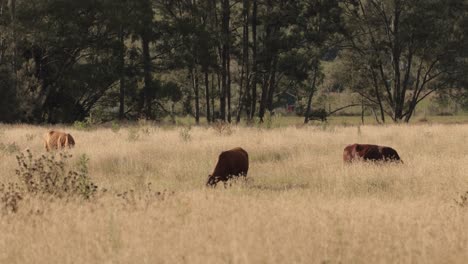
<point x="245" y="78"/>
<point x="228" y="85"/>
<point x="272" y="85"/>
<point x="147" y="76"/>
<point x="226" y="62"/>
<point x="268" y="77"/>
<point x="253" y="84"/>
<point x="241" y="85"/>
<point x="12" y="8"/>
<point x="362" y="110"/>
<point x="222" y="94"/>
<point x="197" y="94"/>
<point x="173" y="121"/>
<point x="244" y="82"/>
<point x="122" y="74"/>
<point x="207" y="96"/>
<point x="377" y="94"/>
<point x="396" y="54"/>
<point x="261" y="110"/>
<point x="227" y="32"/>
<point x="311" y="95"/>
<point x="213" y="98"/>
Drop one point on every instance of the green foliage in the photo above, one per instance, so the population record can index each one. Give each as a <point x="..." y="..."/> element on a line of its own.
<point x="171" y="90"/>
<point x="115" y="127"/>
<point x="395" y="72"/>
<point x="81" y="125"/>
<point x="84" y="186"/>
<point x="271" y="121"/>
<point x="69" y="59"/>
<point x="8" y="101"/>
<point x="318" y="114"/>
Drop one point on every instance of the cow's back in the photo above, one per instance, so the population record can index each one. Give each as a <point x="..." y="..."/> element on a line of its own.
<point x="369" y="152"/>
<point x="51" y="139"/>
<point x="232" y="162"/>
<point x="55" y="140"/>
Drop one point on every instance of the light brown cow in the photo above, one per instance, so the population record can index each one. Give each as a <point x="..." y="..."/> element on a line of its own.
<point x="231" y="163"/>
<point x="58" y="140"/>
<point x="370" y="152"/>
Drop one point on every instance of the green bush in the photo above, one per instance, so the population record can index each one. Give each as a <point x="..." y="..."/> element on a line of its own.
<point x="81" y="125"/>
<point x="115" y="127"/>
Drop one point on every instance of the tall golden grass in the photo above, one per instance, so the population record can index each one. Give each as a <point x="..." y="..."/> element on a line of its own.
<point x="301" y="204"/>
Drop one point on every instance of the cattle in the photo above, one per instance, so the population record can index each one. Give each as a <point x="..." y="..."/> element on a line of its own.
<point x="58" y="140"/>
<point x="369" y="153"/>
<point x="231" y="163"/>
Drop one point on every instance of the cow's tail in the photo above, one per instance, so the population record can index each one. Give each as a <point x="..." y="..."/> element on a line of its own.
<point x="47" y="138"/>
<point x="46" y="144"/>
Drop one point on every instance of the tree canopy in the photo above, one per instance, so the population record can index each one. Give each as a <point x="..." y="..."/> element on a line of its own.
<point x="64" y="60"/>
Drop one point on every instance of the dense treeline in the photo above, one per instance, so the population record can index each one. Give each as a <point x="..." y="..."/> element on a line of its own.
<point x="64" y="60"/>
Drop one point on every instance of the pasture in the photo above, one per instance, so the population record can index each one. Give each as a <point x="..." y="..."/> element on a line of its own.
<point x="300" y="204"/>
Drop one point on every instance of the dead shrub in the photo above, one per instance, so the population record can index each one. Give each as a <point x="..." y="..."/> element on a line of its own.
<point x="10" y="196"/>
<point x="222" y="128"/>
<point x="463" y="201"/>
<point x="144" y="198"/>
<point x="51" y="175"/>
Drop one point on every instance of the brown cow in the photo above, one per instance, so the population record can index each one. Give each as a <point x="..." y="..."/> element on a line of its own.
<point x="58" y="140"/>
<point x="370" y="152"/>
<point x="231" y="163"/>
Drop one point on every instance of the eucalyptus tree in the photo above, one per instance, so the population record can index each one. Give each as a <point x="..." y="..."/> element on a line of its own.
<point x="406" y="49"/>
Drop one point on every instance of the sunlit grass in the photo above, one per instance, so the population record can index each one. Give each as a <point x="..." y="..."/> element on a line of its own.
<point x="299" y="204"/>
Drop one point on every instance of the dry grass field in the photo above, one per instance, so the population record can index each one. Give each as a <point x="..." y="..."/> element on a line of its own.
<point x="301" y="204"/>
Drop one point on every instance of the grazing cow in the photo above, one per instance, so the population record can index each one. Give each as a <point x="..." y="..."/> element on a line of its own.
<point x="231" y="163"/>
<point x="370" y="152"/>
<point x="58" y="140"/>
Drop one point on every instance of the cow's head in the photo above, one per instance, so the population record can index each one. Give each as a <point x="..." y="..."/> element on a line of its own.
<point x="212" y="181"/>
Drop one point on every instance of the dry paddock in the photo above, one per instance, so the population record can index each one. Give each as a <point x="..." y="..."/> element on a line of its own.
<point x="300" y="204"/>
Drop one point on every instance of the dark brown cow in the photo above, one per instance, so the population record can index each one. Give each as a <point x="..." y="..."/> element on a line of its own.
<point x="370" y="152"/>
<point x="58" y="140"/>
<point x="231" y="163"/>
